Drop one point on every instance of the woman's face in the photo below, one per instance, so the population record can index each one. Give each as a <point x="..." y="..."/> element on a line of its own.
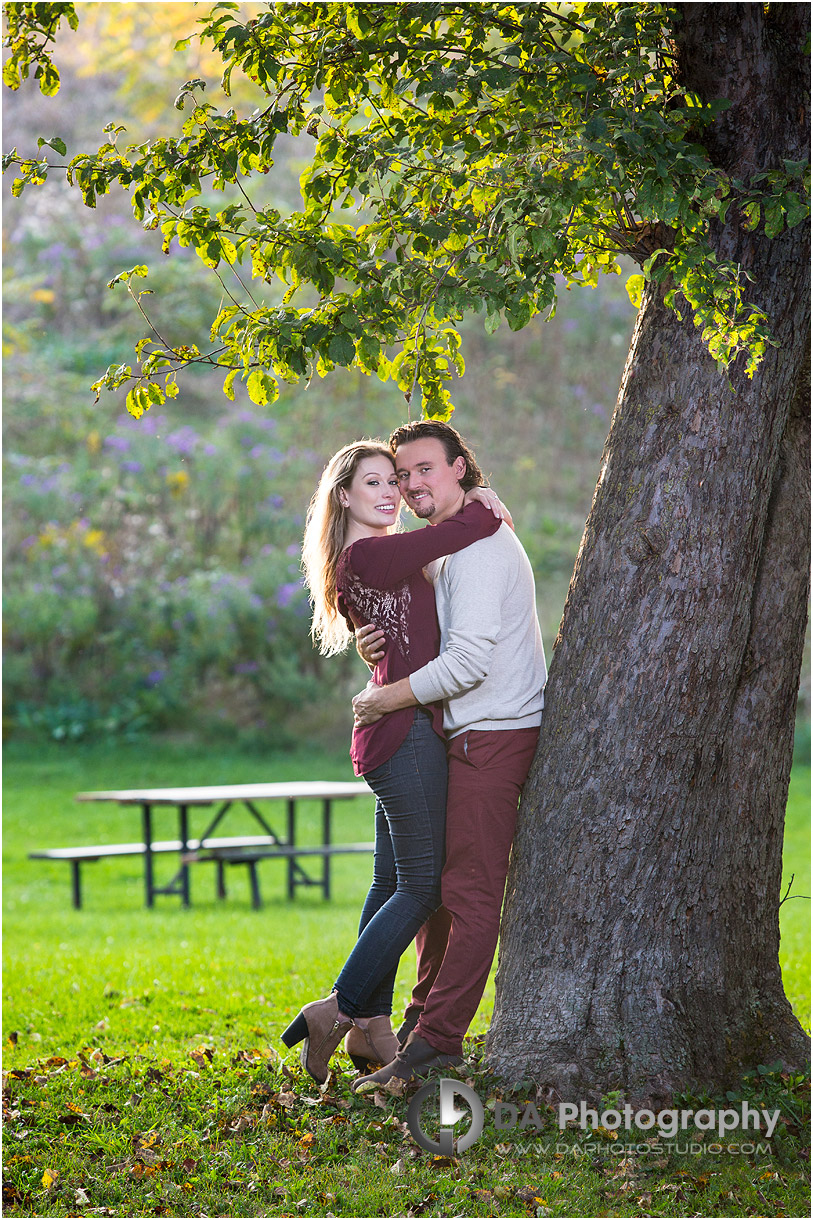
<point x="373" y="499"/>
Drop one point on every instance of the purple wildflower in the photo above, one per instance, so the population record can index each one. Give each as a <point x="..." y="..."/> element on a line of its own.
<point x="287" y="592"/>
<point x="183" y="440"/>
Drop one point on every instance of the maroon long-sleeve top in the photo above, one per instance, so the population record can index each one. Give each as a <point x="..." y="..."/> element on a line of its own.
<point x="380" y="580"/>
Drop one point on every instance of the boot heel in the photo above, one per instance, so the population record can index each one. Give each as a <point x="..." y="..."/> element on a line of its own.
<point x="296" y="1031"/>
<point x="361" y="1064"/>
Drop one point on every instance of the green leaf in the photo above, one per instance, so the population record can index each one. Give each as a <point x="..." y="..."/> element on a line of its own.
<point x="261" y="388"/>
<point x="752" y="213"/>
<point x="437" y="403"/>
<point x="228" y="384"/>
<point x="55" y="142"/>
<point x="774" y="219"/>
<point x="369" y="350"/>
<point x="11" y="74"/>
<point x="137" y="402"/>
<point x="796" y="213"/>
<point x="342" y="349"/>
<point x="49" y="79"/>
<point x="518" y="313"/>
<point x="635" y="289"/>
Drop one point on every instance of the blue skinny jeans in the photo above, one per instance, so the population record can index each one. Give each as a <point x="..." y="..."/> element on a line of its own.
<point x="410" y="833"/>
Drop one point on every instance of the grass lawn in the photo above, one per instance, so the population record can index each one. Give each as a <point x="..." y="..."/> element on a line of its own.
<point x="139" y="1045"/>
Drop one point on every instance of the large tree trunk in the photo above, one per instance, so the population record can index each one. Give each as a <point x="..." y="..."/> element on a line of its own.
<point x="647" y="862"/>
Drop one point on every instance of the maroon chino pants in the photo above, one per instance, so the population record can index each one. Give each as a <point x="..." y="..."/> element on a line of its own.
<point x="456" y="945"/>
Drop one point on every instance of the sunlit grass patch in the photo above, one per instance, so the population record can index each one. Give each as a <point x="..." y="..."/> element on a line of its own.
<point x="141" y="1046"/>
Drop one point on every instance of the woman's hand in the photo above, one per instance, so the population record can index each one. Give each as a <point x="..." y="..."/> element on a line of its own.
<point x="370" y="644"/>
<point x="366" y="705"/>
<point x="489" y="497"/>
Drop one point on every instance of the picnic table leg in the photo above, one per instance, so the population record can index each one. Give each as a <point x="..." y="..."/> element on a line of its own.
<point x="256" y="900"/>
<point x="326" y="842"/>
<point x="146" y="819"/>
<point x="183" y="826"/>
<point x="291" y="841"/>
<point x="76" y="884"/>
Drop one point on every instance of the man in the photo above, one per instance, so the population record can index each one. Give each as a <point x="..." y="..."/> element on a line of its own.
<point x="490" y="673"/>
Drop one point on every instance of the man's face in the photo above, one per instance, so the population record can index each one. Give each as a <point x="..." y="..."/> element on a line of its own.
<point x="429" y="485"/>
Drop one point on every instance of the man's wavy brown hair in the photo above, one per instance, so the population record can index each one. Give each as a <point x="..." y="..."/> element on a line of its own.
<point x="452" y="442"/>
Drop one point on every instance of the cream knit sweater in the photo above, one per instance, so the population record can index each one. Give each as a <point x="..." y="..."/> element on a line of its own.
<point x="491" y="670"/>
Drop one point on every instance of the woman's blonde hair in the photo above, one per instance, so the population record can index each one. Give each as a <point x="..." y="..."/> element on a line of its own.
<point x="325" y="531"/>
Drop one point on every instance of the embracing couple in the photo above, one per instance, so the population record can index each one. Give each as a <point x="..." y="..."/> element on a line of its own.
<point x="444" y="735"/>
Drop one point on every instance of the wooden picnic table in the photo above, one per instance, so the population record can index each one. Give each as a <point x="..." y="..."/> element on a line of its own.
<point x="248" y="849"/>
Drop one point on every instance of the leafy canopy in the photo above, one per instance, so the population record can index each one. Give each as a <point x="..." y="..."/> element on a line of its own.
<point x="465" y="158"/>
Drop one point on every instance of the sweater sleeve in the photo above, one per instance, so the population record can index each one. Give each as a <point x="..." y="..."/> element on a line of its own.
<point x="477" y="594"/>
<point x="383" y="562"/>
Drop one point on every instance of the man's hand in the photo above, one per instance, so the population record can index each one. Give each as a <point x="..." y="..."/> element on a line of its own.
<point x="375" y="701"/>
<point x="370" y="644"/>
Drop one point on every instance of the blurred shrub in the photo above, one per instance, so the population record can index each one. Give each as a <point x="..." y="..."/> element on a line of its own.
<point x="152" y="580"/>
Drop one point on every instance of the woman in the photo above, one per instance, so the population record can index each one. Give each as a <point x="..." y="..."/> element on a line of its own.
<point x="358" y="572"/>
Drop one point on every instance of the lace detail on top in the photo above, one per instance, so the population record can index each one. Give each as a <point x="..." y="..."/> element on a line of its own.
<point x="387" y="608"/>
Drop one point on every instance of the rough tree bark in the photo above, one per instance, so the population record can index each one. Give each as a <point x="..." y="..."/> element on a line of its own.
<point x="640" y="937"/>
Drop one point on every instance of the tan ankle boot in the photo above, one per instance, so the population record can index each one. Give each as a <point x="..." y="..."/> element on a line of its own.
<point x="319" y="1025"/>
<point x="371" y="1043"/>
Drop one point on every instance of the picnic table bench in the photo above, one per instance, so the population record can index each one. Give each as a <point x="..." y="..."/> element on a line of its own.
<point x="247" y="850"/>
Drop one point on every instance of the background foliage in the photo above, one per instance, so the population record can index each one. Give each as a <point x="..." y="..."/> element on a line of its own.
<point x="152" y="566"/>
